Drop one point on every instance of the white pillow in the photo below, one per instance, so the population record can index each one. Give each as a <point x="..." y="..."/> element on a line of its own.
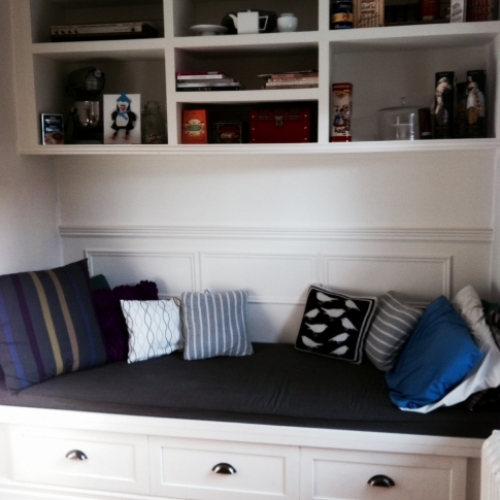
<point x="154" y="328"/>
<point x="486" y="374"/>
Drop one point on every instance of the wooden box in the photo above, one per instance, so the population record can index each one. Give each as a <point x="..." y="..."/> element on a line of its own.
<point x="280" y="125"/>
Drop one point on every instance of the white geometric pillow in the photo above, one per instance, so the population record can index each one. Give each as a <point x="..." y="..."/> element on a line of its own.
<point x="154" y="328"/>
<point x="393" y="323"/>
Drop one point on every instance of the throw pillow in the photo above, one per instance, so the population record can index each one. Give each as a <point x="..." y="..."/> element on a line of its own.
<point x="47" y="325"/>
<point x="393" y="323"/>
<point x="486" y="375"/>
<point x="110" y="316"/>
<point x="438" y="355"/>
<point x="215" y="324"/>
<point x="153" y="326"/>
<point x="335" y="325"/>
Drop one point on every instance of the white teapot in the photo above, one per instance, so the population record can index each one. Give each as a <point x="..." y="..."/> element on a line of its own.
<point x="249" y="22"/>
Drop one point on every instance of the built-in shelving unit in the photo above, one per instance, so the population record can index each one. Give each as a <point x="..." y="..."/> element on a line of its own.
<point x="383" y="64"/>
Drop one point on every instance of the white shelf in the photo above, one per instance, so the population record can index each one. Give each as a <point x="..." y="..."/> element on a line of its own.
<point x="383" y="64"/>
<point x="236" y="44"/>
<point x="422" y="36"/>
<point x="265" y="149"/>
<point x="115" y="50"/>
<point x="247" y="96"/>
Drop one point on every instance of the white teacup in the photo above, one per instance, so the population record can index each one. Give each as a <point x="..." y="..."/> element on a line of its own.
<point x="287" y="22"/>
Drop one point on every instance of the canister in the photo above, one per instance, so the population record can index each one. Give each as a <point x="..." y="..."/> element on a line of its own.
<point x="341" y="112"/>
<point x="399" y="123"/>
<point x="341" y="14"/>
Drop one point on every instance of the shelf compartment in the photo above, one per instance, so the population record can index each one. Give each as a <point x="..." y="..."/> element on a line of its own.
<point x="47" y="13"/>
<point x="187" y="13"/>
<point x="381" y="78"/>
<point x="139" y="76"/>
<point x="240" y="112"/>
<point x="248" y="61"/>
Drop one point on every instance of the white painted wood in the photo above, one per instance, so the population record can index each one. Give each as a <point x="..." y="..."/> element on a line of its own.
<point x="344" y="475"/>
<point x="241" y="442"/>
<point x="114" y="462"/>
<point x="373" y="59"/>
<point x="183" y="468"/>
<point x="490" y="477"/>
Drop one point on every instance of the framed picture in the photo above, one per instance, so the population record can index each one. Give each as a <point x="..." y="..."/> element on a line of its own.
<point x="122" y="118"/>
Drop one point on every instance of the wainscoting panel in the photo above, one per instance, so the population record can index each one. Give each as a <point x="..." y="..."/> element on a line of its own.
<point x="277" y="267"/>
<point x="276" y="279"/>
<point x="419" y="278"/>
<point x="173" y="272"/>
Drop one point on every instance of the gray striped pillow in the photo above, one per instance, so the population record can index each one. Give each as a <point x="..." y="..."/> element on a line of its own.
<point x="214" y="324"/>
<point x="393" y="323"/>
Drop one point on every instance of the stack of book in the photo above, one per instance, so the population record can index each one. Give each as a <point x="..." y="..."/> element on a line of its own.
<point x="291" y="80"/>
<point x="206" y="80"/>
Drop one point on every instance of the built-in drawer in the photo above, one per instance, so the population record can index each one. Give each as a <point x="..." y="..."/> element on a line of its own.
<point x="216" y="470"/>
<point x="355" y="475"/>
<point x="80" y="459"/>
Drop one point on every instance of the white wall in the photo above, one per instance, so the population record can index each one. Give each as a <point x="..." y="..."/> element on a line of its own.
<point x="28" y="191"/>
<point x="418" y="223"/>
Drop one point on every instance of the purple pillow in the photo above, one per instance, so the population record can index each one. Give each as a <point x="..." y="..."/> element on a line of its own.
<point x="110" y="316"/>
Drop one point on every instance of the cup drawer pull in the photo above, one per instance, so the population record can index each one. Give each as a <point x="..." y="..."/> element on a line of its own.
<point x="76" y="455"/>
<point x="381" y="481"/>
<point x="224" y="468"/>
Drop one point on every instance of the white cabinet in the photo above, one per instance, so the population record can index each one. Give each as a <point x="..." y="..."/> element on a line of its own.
<point x="43" y="456"/>
<point x="87" y="460"/>
<point x="383" y="64"/>
<point x="215" y="470"/>
<point x="354" y="475"/>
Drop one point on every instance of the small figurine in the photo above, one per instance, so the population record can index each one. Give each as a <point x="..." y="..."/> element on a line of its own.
<point x="123" y="118"/>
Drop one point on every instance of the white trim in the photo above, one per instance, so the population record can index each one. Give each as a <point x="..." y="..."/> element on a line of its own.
<point x="483" y="235"/>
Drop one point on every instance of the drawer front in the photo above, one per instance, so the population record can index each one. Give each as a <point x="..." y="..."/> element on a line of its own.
<point x="183" y="468"/>
<point x="80" y="459"/>
<point x="344" y="475"/>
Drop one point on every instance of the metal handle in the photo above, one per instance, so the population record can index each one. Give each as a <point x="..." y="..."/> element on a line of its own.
<point x="381" y="481"/>
<point x="224" y="468"/>
<point x="76" y="455"/>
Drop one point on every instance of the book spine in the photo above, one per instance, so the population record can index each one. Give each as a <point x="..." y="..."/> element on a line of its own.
<point x="200" y="76"/>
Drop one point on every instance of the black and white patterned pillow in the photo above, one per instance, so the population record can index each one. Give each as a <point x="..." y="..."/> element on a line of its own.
<point x="335" y="325"/>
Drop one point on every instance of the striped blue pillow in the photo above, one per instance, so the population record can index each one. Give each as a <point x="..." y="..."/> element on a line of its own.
<point x="47" y="325"/>
<point x="214" y="324"/>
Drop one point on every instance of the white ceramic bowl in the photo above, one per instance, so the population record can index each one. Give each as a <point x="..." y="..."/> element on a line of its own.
<point x="287" y="22"/>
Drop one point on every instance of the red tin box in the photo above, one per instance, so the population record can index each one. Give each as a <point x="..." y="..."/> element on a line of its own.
<point x="277" y="125"/>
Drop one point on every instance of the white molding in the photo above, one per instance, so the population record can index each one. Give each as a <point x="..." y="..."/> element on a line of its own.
<point x="482" y="235"/>
<point x="444" y="261"/>
<point x="91" y="254"/>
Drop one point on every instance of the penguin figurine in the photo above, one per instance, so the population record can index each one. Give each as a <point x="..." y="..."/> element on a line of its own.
<point x="123" y="118"/>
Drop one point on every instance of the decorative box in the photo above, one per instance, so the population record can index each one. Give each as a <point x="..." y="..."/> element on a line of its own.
<point x="279" y="125"/>
<point x="194" y="126"/>
<point x="227" y="132"/>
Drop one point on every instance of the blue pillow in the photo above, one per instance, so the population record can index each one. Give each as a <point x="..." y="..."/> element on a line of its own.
<point x="437" y="356"/>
